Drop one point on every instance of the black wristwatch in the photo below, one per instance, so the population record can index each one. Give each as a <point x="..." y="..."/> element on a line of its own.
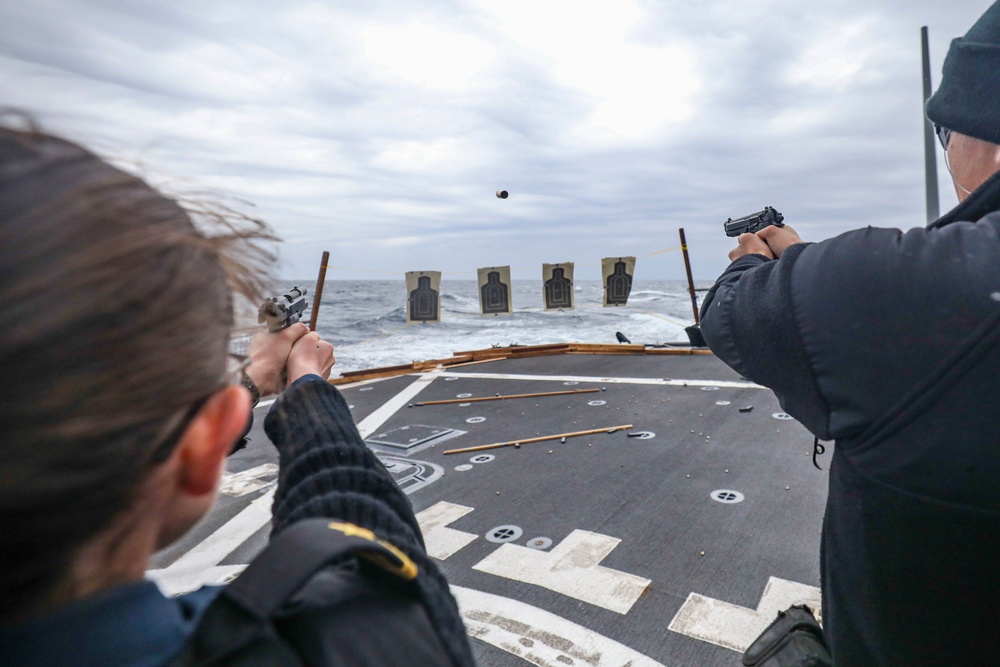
<point x="252" y="388"/>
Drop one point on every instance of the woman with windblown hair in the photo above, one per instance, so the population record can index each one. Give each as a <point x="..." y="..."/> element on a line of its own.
<point x="117" y="410"/>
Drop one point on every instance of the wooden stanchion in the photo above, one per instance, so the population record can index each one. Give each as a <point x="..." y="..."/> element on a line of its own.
<point x="687" y="267"/>
<point x="574" y="434"/>
<point x="502" y="398"/>
<point x="319" y="290"/>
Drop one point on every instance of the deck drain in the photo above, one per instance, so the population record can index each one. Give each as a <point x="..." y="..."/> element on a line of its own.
<point x="464" y="467"/>
<point x="722" y="402"/>
<point x="463" y="395"/>
<point x="464" y="405"/>
<point x="781" y="415"/>
<point x="597" y="403"/>
<point x="502" y="534"/>
<point x="727" y="496"/>
<point x="642" y="435"/>
<point x="475" y="420"/>
<point x="570" y="383"/>
<point x="482" y="458"/>
<point x="539" y="543"/>
<point x="710" y="389"/>
<point x="366" y="389"/>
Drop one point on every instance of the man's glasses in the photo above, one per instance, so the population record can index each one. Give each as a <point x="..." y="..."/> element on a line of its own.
<point x="943" y="135"/>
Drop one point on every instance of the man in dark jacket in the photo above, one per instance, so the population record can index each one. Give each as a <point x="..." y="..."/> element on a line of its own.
<point x="889" y="343"/>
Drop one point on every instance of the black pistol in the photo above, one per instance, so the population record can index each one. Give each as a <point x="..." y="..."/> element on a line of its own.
<point x="281" y="312"/>
<point x="753" y="223"/>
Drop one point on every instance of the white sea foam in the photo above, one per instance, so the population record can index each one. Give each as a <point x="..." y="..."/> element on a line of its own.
<point x="366" y="320"/>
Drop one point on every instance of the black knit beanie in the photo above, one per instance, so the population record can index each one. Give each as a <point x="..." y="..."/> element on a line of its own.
<point x="968" y="100"/>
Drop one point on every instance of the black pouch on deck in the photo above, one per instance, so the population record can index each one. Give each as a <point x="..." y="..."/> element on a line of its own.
<point x="794" y="639"/>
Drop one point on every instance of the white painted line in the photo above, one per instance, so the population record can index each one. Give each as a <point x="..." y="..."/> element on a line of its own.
<point x="361" y="383"/>
<point x="442" y="541"/>
<point x="571" y="568"/>
<point x="374" y="421"/>
<point x="539" y="637"/>
<point x="239" y="484"/>
<point x="605" y="380"/>
<point x="198" y="565"/>
<point x="733" y="627"/>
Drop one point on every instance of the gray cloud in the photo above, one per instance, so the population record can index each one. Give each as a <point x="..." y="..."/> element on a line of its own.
<point x="812" y="109"/>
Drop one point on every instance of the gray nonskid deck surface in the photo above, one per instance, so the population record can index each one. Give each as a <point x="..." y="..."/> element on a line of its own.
<point x="651" y="494"/>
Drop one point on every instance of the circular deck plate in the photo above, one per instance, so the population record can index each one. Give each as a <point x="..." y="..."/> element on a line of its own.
<point x="710" y="389"/>
<point x="595" y="403"/>
<point x="505" y="533"/>
<point x="464" y="467"/>
<point x="482" y="458"/>
<point x="475" y="420"/>
<point x="463" y="395"/>
<point x="450" y="379"/>
<point x="366" y="389"/>
<point x="570" y="383"/>
<point x="464" y="405"/>
<point x="643" y="435"/>
<point x="782" y="416"/>
<point x="539" y="543"/>
<point x="727" y="496"/>
<point x="722" y="402"/>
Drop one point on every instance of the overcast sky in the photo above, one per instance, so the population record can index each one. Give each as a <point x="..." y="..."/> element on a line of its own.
<point x="380" y="129"/>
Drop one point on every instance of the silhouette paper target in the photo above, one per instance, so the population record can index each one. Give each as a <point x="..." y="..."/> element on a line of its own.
<point x="494" y="291"/>
<point x="617" y="275"/>
<point x="557" y="280"/>
<point x="423" y="303"/>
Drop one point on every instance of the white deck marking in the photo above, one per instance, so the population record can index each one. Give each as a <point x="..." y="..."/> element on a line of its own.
<point x="571" y="568"/>
<point x="442" y="541"/>
<point x="733" y="627"/>
<point x="361" y="383"/>
<point x="198" y="566"/>
<point x="239" y="484"/>
<point x="374" y="421"/>
<point x="666" y="382"/>
<point x="540" y="637"/>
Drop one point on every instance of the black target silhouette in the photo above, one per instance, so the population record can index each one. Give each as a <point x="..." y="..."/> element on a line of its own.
<point x="495" y="295"/>
<point x="618" y="285"/>
<point x="424" y="301"/>
<point x="558" y="290"/>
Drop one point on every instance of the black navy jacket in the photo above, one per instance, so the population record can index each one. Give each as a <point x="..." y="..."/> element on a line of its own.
<point x="886" y="341"/>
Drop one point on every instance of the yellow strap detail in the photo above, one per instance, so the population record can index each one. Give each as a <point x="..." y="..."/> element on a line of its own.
<point x="406" y="568"/>
<point x="352" y="530"/>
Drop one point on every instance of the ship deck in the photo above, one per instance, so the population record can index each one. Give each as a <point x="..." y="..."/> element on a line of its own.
<point x="671" y="542"/>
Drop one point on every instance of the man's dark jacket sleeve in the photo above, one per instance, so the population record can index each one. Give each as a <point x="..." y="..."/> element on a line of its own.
<point x="841" y="330"/>
<point x="749" y="321"/>
<point x="325" y="470"/>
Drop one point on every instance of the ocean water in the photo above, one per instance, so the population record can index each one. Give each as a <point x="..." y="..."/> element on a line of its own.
<point x="366" y="319"/>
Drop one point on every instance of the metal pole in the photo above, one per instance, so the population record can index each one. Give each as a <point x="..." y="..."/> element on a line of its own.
<point x="317" y="298"/>
<point x="687" y="267"/>
<point x="930" y="152"/>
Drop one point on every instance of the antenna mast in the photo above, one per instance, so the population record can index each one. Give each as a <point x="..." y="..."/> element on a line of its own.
<point x="930" y="155"/>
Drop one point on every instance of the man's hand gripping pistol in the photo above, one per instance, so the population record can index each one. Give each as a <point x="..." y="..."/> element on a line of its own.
<point x="753" y="223"/>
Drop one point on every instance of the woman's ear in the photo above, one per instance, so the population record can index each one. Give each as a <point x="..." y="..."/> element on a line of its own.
<point x="202" y="450"/>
